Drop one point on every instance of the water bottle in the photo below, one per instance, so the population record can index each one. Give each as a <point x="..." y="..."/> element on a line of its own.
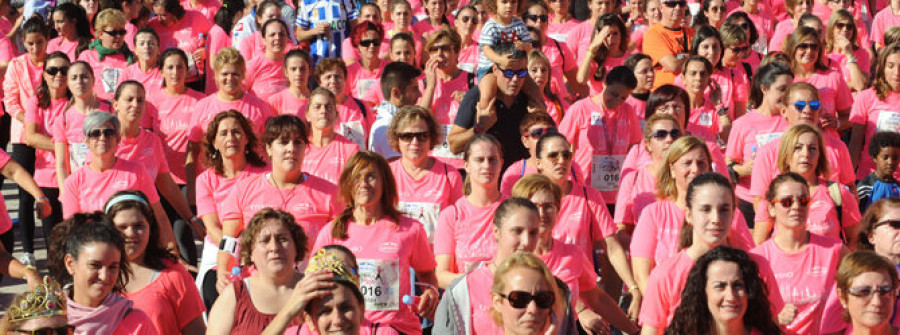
<point x="411" y="299"/>
<point x="201" y="43"/>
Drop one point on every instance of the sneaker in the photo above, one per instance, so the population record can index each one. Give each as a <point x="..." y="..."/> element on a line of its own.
<point x="27" y="259"/>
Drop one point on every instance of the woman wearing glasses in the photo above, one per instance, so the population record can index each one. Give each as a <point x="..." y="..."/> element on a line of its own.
<point x="875" y="109"/>
<point x="867" y="285"/>
<point x="563" y="67"/>
<point x="108" y="54"/>
<point x="425" y="185"/>
<point x="265" y="72"/>
<point x="842" y="46"/>
<point x="362" y="75"/>
<point x="533" y="127"/>
<point x="803" y="263"/>
<point x="519" y="281"/>
<point x="446" y="84"/>
<point x="465" y="24"/>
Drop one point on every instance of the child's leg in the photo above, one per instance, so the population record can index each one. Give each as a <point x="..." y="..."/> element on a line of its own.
<point x="487" y="86"/>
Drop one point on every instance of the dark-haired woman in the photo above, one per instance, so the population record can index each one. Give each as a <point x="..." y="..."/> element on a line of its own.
<point x="185" y="30"/>
<point x="265" y="72"/>
<point x="607" y="50"/>
<point x="563" y="67"/>
<point x="89" y="253"/>
<point x="642" y="67"/>
<point x="145" y="69"/>
<point x="724" y="294"/>
<point x="388" y="243"/>
<point x="159" y="286"/>
<point x="297" y="70"/>
<point x="71" y="23"/>
<point x="246" y="36"/>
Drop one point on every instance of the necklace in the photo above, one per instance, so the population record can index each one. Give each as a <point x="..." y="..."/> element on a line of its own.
<point x="281" y="194"/>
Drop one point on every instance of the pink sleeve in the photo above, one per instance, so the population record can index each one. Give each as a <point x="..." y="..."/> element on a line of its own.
<point x="741" y="85"/>
<point x="850" y="215"/>
<point x="762" y="212"/>
<point x="348" y="56"/>
<point x="7" y="52"/>
<point x="588" y="278"/>
<point x="421" y="259"/>
<point x="643" y="241"/>
<point x="602" y="221"/>
<point x="68" y="199"/>
<point x="188" y="303"/>
<point x="146" y="185"/>
<point x="323" y="239"/>
<point x="759" y="182"/>
<point x="843" y="98"/>
<point x="653" y="308"/>
<point x="11" y="97"/>
<point x="31" y="110"/>
<point x="571" y="61"/>
<point x="509" y="179"/>
<point x="859" y="114"/>
<point x="206" y="204"/>
<point x="625" y="199"/>
<point x="231" y="207"/>
<point x="847" y="174"/>
<point x="57" y="130"/>
<point x="136" y="323"/>
<point x="445" y="232"/>
<point x="569" y="125"/>
<point x="740" y="235"/>
<point x="734" y="150"/>
<point x="245" y="47"/>
<point x="776" y="302"/>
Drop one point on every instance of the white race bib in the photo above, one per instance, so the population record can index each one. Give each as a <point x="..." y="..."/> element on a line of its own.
<point x="379" y="281"/>
<point x="443" y="149"/>
<point x="363" y="85"/>
<point x="705" y="119"/>
<point x="763" y="139"/>
<point x="888" y="121"/>
<point x="77" y="155"/>
<point x="605" y="171"/>
<point x="596" y="119"/>
<point x="424" y="212"/>
<point x="559" y="37"/>
<point x="110" y="79"/>
<point x="354" y="132"/>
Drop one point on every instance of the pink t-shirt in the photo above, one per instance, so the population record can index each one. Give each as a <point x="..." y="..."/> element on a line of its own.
<point x="423" y="199"/>
<point x="823" y="219"/>
<point x="5" y="220"/>
<point x="765" y="169"/>
<point x="579" y="39"/>
<point x="107" y="73"/>
<point x="568" y="263"/>
<point x="69" y="127"/>
<point x="657" y="232"/>
<point x="175" y="113"/>
<point x="265" y="77"/>
<point x="386" y="250"/>
<point x="185" y="34"/>
<point x="583" y="219"/>
<point x="327" y="162"/>
<point x="465" y="232"/>
<point x="208" y="8"/>
<point x="480" y="282"/>
<point x="212" y="189"/>
<point x="171" y="300"/>
<point x="424" y="28"/>
<point x="62" y="45"/>
<point x="748" y="134"/>
<point x="882" y="21"/>
<point x="218" y="39"/>
<point x="251" y="46"/>
<point x="562" y="60"/>
<point x="145" y="149"/>
<point x="638" y="190"/>
<point x="285" y="102"/>
<point x="255" y="109"/>
<point x="152" y="80"/>
<point x="637" y="158"/>
<point x="704" y="123"/>
<point x="360" y="80"/>
<point x="353" y="121"/>
<point x="43" y="118"/>
<point x="313" y="203"/>
<point x="87" y="190"/>
<point x="804" y="278"/>
<point x="468" y="57"/>
<point x="135" y="323"/>
<point x="664" y="289"/>
<point x="601" y="138"/>
<point x="444" y="107"/>
<point x="560" y="31"/>
<point x="782" y="30"/>
<point x="840" y="61"/>
<point x="512" y="175"/>
<point x="19" y="84"/>
<point x="639" y="107"/>
<point x="833" y="91"/>
<point x="874" y="114"/>
<point x="596" y="86"/>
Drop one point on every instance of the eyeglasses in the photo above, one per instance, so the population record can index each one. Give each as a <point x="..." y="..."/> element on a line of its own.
<point x="843" y="25"/>
<point x="739" y="50"/>
<point x="52" y="71"/>
<point x="537" y="133"/>
<point x="466" y="19"/>
<point x="716" y="9"/>
<point x="661" y="134"/>
<point x="422" y="136"/>
<point x="788" y="202"/>
<point x="520" y="299"/>
<point x="807" y="46"/>
<point x="436" y="48"/>
<point x="744" y="25"/>
<point x="813" y="105"/>
<point x="536" y="18"/>
<point x="107" y="132"/>
<point x="672" y="4"/>
<point x="368" y="43"/>
<point x="893" y="223"/>
<point x="117" y="32"/>
<point x="555" y="156"/>
<point x="865" y="292"/>
<point x="62" y="330"/>
<point x="513" y="73"/>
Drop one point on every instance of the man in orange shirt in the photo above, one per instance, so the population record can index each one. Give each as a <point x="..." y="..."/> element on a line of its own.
<point x="667" y="42"/>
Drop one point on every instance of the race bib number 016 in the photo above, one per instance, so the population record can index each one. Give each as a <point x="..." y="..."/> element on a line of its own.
<point x="379" y="282"/>
<point x="605" y="171"/>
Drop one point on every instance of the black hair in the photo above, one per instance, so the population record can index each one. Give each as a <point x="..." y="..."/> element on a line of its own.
<point x="398" y="75"/>
<point x="664" y="94"/>
<point x="285" y="125"/>
<point x="883" y="139"/>
<point x="781" y="179"/>
<point x="168" y="53"/>
<point x="765" y="77"/>
<point x="621" y="75"/>
<point x="686" y="236"/>
<point x="704" y="33"/>
<point x="36" y="25"/>
<point x="172" y="7"/>
<point x="125" y="84"/>
<point x="754" y="34"/>
<point x="265" y="26"/>
<point x="43" y="91"/>
<point x="225" y="15"/>
<point x="82" y="25"/>
<point x="146" y="30"/>
<point x="542" y="142"/>
<point x="70" y="236"/>
<point x="509" y="49"/>
<point x="507" y="207"/>
<point x="154" y="255"/>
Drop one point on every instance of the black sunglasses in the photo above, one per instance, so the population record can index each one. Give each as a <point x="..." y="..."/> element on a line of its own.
<point x="716" y="9"/>
<point x="672" y="4"/>
<point x="466" y="19"/>
<point x="556" y="155"/>
<point x="788" y="202"/>
<point x="443" y="47"/>
<point x="536" y="18"/>
<point x="842" y="25"/>
<point x="893" y="223"/>
<point x="95" y="133"/>
<point x="809" y="46"/>
<point x="513" y="73"/>
<point x="117" y="32"/>
<point x="520" y="299"/>
<point x="865" y="292"/>
<point x="52" y="71"/>
<point x="537" y="133"/>
<point x="62" y="330"/>
<point x="368" y="43"/>
<point x="739" y="50"/>
<point x="422" y="136"/>
<point x="662" y="134"/>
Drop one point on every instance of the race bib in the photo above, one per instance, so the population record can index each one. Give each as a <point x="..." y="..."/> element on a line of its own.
<point x="354" y="132"/>
<point x="596" y="119"/>
<point x="888" y="121"/>
<point x="77" y="155"/>
<point x="763" y="139"/>
<point x="363" y="86"/>
<point x="379" y="282"/>
<point x="468" y="67"/>
<point x="705" y="119"/>
<point x="559" y="37"/>
<point x="110" y="79"/>
<point x="443" y="149"/>
<point x="605" y="171"/>
<point x="424" y="212"/>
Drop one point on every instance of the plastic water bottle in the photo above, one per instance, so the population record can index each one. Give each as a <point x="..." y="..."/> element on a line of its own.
<point x="411" y="299"/>
<point x="201" y="43"/>
<point x="235" y="274"/>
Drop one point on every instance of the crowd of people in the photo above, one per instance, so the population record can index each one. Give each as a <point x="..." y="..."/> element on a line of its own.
<point x="452" y="167"/>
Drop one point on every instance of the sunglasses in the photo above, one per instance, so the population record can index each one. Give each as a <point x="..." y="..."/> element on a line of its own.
<point x="367" y="43"/>
<point x="466" y="19"/>
<point x="672" y="4"/>
<point x="63" y="330"/>
<point x="422" y="136"/>
<point x="739" y="50"/>
<point x="893" y="223"/>
<point x="555" y="156"/>
<point x="520" y="299"/>
<point x="842" y="25"/>
<point x="435" y="48"/>
<point x="509" y="74"/>
<point x="788" y="202"/>
<point x="52" y="71"/>
<point x="661" y="134"/>
<point x="107" y="132"/>
<point x="807" y="46"/>
<point x="813" y="105"/>
<point x="865" y="292"/>
<point x="536" y="18"/>
<point x="537" y="133"/>
<point x="117" y="32"/>
<point x="716" y="9"/>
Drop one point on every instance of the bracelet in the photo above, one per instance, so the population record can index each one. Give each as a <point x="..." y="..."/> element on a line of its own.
<point x="590" y="54"/>
<point x="43" y="198"/>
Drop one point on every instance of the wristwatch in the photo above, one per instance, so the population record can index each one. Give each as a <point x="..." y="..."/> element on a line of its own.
<point x="851" y="59"/>
<point x="722" y="111"/>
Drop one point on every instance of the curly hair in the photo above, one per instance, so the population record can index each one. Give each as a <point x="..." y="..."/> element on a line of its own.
<point x="693" y="315"/>
<point x="229" y="56"/>
<point x="259" y="220"/>
<point x="214" y="158"/>
<point x="70" y="236"/>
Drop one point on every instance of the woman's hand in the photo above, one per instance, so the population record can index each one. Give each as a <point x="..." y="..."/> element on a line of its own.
<point x="593" y="322"/>
<point x="32" y="278"/>
<point x="599" y="40"/>
<point x="313" y="286"/>
<point x="42" y="207"/>
<point x="634" y="309"/>
<point x="828" y="121"/>
<point x="222" y="279"/>
<point x="199" y="55"/>
<point x="787" y="314"/>
<point x="428" y="303"/>
<point x="843" y="44"/>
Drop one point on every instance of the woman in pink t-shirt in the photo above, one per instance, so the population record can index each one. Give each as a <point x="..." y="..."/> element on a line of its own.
<point x="327" y="150"/>
<point x="108" y="54"/>
<point x="867" y="284"/>
<point x="159" y="286"/>
<point x="789" y="23"/>
<point x="273" y="244"/>
<point x="808" y="62"/>
<point x="230" y="148"/>
<point x="843" y="49"/>
<point x="609" y="42"/>
<point x="265" y="72"/>
<point x="518" y="276"/>
<point x="533" y="127"/>
<point x="435" y="18"/>
<point x="704" y="121"/>
<point x="145" y="69"/>
<point x="426" y="185"/>
<point x="186" y="30"/>
<point x="354" y="119"/>
<point x="540" y="70"/>
<point x="250" y="43"/>
<point x="562" y="64"/>
<point x="642" y="67"/>
<point x="389" y="245"/>
<point x="569" y="263"/>
<point x="71" y="22"/>
<point x="367" y="12"/>
<point x="297" y="70"/>
<point x="362" y="75"/>
<point x="463" y="230"/>
<point x="803" y="263"/>
<point x="724" y="293"/>
<point x="465" y="24"/>
<point x="875" y="109"/>
<point x="84" y="249"/>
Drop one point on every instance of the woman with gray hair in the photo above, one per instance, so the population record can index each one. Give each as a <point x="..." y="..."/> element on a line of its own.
<point x="89" y="187"/>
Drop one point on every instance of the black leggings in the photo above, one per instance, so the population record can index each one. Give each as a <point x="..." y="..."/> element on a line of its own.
<point x="24" y="155"/>
<point x="184" y="236"/>
<point x="55" y="217"/>
<point x="208" y="289"/>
